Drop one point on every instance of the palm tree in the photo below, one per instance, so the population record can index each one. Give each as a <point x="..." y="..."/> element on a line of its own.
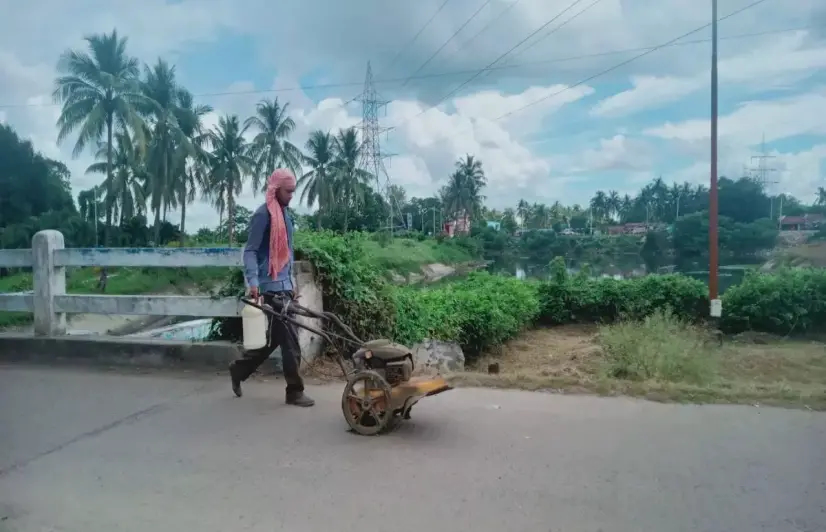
<point x="462" y="195"/>
<point x="522" y="211"/>
<point x="229" y="164"/>
<point x="190" y="175"/>
<point x="821" y="197"/>
<point x="614" y="204"/>
<point x="270" y="147"/>
<point x="125" y="187"/>
<point x="169" y="144"/>
<point x="349" y="178"/>
<point x="99" y="92"/>
<point x="317" y="183"/>
<point x="599" y="205"/>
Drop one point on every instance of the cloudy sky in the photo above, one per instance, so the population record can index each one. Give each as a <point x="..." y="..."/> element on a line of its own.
<point x="552" y="120"/>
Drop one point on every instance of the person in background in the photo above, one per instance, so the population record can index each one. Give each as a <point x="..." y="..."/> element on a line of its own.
<point x="268" y="266"/>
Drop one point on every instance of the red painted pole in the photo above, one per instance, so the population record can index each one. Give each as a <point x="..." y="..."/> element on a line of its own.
<point x="712" y="196"/>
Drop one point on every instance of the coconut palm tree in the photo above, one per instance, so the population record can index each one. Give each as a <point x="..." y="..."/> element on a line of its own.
<point x="522" y="210"/>
<point x="317" y="183"/>
<point x="126" y="187"/>
<point x="462" y="194"/>
<point x="168" y="143"/>
<point x="614" y="204"/>
<point x="348" y="177"/>
<point x="270" y="147"/>
<point x="190" y="176"/>
<point x="99" y="93"/>
<point x="230" y="163"/>
<point x="821" y="196"/>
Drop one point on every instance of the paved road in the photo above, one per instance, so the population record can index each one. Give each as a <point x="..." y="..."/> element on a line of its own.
<point x="88" y="451"/>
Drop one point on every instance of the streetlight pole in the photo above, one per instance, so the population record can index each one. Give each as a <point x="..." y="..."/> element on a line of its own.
<point x="716" y="307"/>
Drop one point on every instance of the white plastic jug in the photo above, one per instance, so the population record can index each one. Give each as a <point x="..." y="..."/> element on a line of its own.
<point x="254" y="323"/>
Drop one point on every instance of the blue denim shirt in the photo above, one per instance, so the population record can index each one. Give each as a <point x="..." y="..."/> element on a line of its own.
<point x="257" y="254"/>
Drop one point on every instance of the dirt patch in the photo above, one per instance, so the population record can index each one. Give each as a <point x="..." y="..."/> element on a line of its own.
<point x="752" y="369"/>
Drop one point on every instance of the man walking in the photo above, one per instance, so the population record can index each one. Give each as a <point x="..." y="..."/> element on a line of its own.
<point x="268" y="266"/>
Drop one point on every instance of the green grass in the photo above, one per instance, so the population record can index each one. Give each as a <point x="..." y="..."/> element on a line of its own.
<point x="404" y="255"/>
<point x="660" y="359"/>
<point x="660" y="347"/>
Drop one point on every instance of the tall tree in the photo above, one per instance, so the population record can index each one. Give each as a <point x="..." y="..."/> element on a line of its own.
<point x="463" y="193"/>
<point x="191" y="174"/>
<point x="349" y="178"/>
<point x="126" y="193"/>
<point x="169" y="145"/>
<point x="317" y="183"/>
<point x="230" y="163"/>
<point x="99" y="91"/>
<point x="270" y="147"/>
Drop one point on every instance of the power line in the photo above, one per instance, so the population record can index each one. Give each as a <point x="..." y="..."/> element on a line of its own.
<point x="426" y="24"/>
<point x="429" y="59"/>
<point x="398" y="54"/>
<point x="449" y="73"/>
<point x="479" y="72"/>
<point x="654" y="49"/>
<point x="497" y="18"/>
<point x="554" y="30"/>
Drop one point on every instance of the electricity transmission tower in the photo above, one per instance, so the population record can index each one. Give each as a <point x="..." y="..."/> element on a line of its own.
<point x="762" y="172"/>
<point x="372" y="158"/>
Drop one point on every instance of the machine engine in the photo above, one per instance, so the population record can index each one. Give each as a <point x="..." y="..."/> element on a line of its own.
<point x="394" y="362"/>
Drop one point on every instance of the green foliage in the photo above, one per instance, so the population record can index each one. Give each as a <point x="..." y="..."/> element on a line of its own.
<point x="660" y="347"/>
<point x="580" y="299"/>
<point x="737" y="239"/>
<point x="479" y="313"/>
<point x="790" y="301"/>
<point x="406" y="255"/>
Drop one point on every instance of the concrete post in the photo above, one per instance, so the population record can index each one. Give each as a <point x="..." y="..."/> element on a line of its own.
<point x="49" y="282"/>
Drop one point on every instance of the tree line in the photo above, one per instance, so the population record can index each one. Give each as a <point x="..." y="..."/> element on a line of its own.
<point x="156" y="154"/>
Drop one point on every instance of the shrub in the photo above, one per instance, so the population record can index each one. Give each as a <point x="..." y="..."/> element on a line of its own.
<point x="480" y="312"/>
<point x="660" y="346"/>
<point x="566" y="299"/>
<point x="786" y="302"/>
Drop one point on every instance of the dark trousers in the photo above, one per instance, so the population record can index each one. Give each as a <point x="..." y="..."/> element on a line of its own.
<point x="280" y="334"/>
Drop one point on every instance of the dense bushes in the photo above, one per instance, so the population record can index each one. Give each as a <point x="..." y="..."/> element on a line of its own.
<point x="791" y="301"/>
<point x="480" y="312"/>
<point x="483" y="310"/>
<point x="582" y="299"/>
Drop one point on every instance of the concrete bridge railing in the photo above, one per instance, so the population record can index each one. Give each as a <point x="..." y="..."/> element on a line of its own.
<point x="50" y="303"/>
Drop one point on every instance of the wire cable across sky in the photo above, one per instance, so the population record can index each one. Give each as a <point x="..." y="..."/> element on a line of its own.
<point x="484" y="69"/>
<point x="437" y="75"/>
<point x="611" y="69"/>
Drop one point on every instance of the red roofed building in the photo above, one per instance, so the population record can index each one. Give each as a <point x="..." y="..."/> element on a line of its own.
<point x="807" y="222"/>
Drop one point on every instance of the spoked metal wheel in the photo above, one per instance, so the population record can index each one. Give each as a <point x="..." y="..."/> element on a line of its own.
<point x="366" y="403"/>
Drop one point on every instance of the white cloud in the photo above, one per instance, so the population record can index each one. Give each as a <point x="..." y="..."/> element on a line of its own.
<point x="778" y="64"/>
<point x="345" y="34"/>
<point x="775" y="119"/>
<point x="617" y="153"/>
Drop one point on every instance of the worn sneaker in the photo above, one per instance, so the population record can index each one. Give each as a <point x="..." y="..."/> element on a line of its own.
<point x="299" y="399"/>
<point x="236" y="382"/>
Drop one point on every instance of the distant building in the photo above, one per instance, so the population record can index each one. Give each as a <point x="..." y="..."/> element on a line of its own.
<point x="455" y="227"/>
<point x="807" y="222"/>
<point x="494" y="225"/>
<point x="635" y="228"/>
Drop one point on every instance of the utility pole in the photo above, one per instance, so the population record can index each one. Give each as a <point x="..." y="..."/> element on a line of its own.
<point x="716" y="310"/>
